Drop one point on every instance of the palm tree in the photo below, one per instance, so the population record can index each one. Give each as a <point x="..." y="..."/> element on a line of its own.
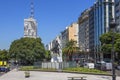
<point x="70" y="49"/>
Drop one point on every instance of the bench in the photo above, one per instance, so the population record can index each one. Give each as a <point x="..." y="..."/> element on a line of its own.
<point x="77" y="78"/>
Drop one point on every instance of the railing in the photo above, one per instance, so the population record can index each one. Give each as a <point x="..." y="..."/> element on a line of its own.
<point x="56" y="65"/>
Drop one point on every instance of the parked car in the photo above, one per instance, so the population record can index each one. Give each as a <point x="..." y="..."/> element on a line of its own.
<point x="89" y="65"/>
<point x="118" y="67"/>
<point x="99" y="65"/>
<point x="102" y="65"/>
<point x="4" y="69"/>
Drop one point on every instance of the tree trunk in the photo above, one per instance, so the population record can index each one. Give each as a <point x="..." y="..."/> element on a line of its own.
<point x="70" y="57"/>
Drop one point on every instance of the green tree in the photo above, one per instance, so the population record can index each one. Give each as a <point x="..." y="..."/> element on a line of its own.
<point x="27" y="50"/>
<point x="70" y="49"/>
<point x="117" y="47"/>
<point x="106" y="42"/>
<point x="4" y="55"/>
<point x="47" y="55"/>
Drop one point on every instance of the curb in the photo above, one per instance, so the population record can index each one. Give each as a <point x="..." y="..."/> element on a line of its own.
<point x="87" y="73"/>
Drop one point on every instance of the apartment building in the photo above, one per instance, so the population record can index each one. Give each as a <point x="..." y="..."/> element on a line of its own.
<point x="103" y="12"/>
<point x="83" y="22"/>
<point x="91" y="30"/>
<point x="70" y="33"/>
<point x="117" y="14"/>
<point x="93" y="22"/>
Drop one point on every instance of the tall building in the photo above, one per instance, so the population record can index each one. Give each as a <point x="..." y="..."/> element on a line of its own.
<point x="103" y="12"/>
<point x="30" y="25"/>
<point x="91" y="30"/>
<point x="64" y="35"/>
<point x="49" y="46"/>
<point x="93" y="22"/>
<point x="73" y="32"/>
<point x="70" y="33"/>
<point x="117" y="14"/>
<point x="83" y="22"/>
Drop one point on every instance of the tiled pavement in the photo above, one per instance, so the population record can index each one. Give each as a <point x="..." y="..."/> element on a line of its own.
<point x="37" y="75"/>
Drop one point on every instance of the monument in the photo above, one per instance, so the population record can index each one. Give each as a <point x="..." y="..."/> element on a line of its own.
<point x="56" y="52"/>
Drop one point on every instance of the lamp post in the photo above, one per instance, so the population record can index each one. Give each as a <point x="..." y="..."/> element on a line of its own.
<point x="95" y="55"/>
<point x="112" y="28"/>
<point x="87" y="54"/>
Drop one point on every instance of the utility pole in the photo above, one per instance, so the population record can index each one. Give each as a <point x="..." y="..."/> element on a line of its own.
<point x="112" y="28"/>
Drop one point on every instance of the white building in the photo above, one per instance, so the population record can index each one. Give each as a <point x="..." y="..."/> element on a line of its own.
<point x="30" y="28"/>
<point x="83" y="22"/>
<point x="30" y="25"/>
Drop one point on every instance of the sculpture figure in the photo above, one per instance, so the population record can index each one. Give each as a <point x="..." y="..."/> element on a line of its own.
<point x="56" y="53"/>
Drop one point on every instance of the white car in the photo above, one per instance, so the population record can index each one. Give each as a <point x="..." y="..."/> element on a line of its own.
<point x="108" y="66"/>
<point x="118" y="67"/>
<point x="89" y="65"/>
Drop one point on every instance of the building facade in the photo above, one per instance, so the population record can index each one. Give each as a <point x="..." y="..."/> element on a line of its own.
<point x="91" y="30"/>
<point x="70" y="33"/>
<point x="30" y="28"/>
<point x="104" y="11"/>
<point x="30" y="24"/>
<point x="117" y="14"/>
<point x="93" y="22"/>
<point x="83" y="22"/>
<point x="64" y="35"/>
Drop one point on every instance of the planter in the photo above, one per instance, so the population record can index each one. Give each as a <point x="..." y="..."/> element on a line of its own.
<point x="27" y="74"/>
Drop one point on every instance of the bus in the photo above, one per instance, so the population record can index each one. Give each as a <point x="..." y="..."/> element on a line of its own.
<point x="4" y="66"/>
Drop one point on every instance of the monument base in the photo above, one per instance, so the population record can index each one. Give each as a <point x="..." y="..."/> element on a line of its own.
<point x="56" y="59"/>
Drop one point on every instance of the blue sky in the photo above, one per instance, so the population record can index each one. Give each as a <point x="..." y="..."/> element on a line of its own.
<point x="52" y="17"/>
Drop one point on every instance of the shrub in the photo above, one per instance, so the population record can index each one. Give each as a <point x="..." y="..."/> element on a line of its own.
<point x="85" y="70"/>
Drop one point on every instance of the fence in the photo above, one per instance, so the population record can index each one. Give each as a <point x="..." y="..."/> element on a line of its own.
<point x="58" y="65"/>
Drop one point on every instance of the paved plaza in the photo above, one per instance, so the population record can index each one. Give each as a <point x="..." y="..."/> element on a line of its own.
<point x="37" y="75"/>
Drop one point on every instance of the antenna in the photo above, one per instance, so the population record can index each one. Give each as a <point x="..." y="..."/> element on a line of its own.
<point x="32" y="9"/>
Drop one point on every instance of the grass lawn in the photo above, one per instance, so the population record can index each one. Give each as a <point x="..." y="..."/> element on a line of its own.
<point x="78" y="70"/>
<point x="85" y="70"/>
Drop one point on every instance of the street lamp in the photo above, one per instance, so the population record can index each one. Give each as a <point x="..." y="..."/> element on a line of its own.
<point x="87" y="54"/>
<point x="112" y="28"/>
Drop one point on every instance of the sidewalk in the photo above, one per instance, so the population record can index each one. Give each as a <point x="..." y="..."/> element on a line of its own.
<point x="36" y="75"/>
